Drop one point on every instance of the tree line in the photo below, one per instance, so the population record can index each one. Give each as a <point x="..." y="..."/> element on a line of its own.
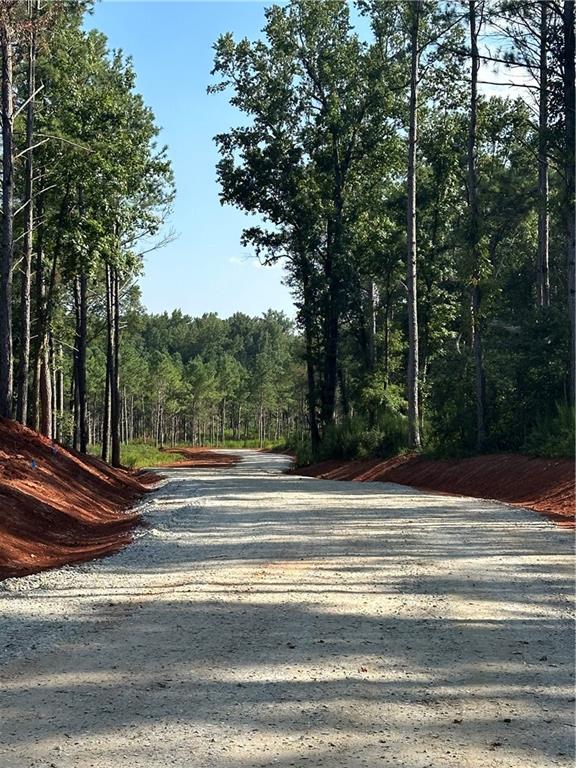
<point x="85" y="190"/>
<point x="426" y="229"/>
<point x="425" y="225"/>
<point x="198" y="381"/>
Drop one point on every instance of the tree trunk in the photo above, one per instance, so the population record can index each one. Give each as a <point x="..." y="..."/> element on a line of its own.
<point x="543" y="225"/>
<point x="371" y="324"/>
<point x="569" y="157"/>
<point x="413" y="373"/>
<point x="45" y="300"/>
<point x="344" y="400"/>
<point x="6" y="380"/>
<point x="474" y="213"/>
<point x="107" y="420"/>
<point x="24" y="361"/>
<point x="60" y="394"/>
<point x="115" y="379"/>
<point x="39" y="309"/>
<point x="45" y="391"/>
<point x="81" y="344"/>
<point x="334" y="253"/>
<point x="308" y="316"/>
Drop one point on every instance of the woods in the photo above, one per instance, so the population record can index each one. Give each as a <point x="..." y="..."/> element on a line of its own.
<point x="197" y="381"/>
<point x="84" y="184"/>
<point x="425" y="224"/>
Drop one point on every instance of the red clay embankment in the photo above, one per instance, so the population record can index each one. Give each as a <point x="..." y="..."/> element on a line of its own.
<point x="545" y="485"/>
<point x="59" y="507"/>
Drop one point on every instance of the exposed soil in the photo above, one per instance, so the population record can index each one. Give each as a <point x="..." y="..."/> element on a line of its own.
<point x="545" y="485"/>
<point x="201" y="457"/>
<point x="57" y="506"/>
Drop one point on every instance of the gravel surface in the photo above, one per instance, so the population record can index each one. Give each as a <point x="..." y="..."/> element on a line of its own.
<point x="272" y="620"/>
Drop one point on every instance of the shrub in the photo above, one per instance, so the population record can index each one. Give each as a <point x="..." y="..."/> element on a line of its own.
<point x="353" y="439"/>
<point x="554" y="436"/>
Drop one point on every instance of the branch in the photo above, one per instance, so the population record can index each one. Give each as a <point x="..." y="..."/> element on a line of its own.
<point x="67" y="141"/>
<point x="27" y="203"/>
<point x="166" y="240"/>
<point x="28" y="100"/>
<point x="29" y="149"/>
<point x="510" y="84"/>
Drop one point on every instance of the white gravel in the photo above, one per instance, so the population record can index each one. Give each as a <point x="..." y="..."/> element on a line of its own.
<point x="272" y="620"/>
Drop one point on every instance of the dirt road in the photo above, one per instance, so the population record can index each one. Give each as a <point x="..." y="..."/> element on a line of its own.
<point x="271" y="620"/>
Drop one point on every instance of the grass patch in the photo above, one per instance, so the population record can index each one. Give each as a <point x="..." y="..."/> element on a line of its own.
<point x="254" y="444"/>
<point x="138" y="455"/>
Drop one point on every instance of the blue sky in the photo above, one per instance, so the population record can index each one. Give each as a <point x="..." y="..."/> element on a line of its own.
<point x="205" y="269"/>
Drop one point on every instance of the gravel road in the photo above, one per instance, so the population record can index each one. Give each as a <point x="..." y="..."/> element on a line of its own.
<point x="271" y="620"/>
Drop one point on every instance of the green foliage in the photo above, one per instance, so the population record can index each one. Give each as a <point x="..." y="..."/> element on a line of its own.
<point x="267" y="445"/>
<point x="353" y="439"/>
<point x="319" y="157"/>
<point x="386" y="439"/>
<point x="139" y="455"/>
<point x="554" y="437"/>
<point x="203" y="380"/>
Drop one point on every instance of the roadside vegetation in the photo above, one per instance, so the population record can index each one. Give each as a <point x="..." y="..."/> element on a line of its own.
<point x="425" y="223"/>
<point x="139" y="455"/>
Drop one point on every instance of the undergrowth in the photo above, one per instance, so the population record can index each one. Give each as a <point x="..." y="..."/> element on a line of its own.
<point x="554" y="437"/>
<point x="138" y="455"/>
<point x="353" y="439"/>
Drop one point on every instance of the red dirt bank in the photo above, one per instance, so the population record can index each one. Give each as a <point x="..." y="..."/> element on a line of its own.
<point x="545" y="485"/>
<point x="57" y="506"/>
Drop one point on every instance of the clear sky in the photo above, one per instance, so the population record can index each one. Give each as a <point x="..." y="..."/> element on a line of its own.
<point x="170" y="41"/>
<point x="205" y="269"/>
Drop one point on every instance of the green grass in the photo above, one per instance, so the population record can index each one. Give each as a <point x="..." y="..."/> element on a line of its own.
<point x="254" y="444"/>
<point x="138" y="455"/>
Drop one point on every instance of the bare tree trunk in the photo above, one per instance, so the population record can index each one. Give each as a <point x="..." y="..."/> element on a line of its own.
<point x="44" y="302"/>
<point x="24" y="361"/>
<point x="60" y="395"/>
<point x="474" y="212"/>
<point x="261" y="426"/>
<point x="54" y="391"/>
<point x="45" y="391"/>
<point x="115" y="380"/>
<point x="543" y="223"/>
<point x="6" y="376"/>
<point x="344" y="399"/>
<point x="308" y="317"/>
<point x="332" y="308"/>
<point x="80" y="355"/>
<point x="371" y="324"/>
<point x="413" y="373"/>
<point x="569" y="157"/>
<point x="39" y="311"/>
<point x="74" y="404"/>
<point x="106" y="422"/>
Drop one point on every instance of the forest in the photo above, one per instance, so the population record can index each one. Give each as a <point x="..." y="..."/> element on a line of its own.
<point x="425" y="226"/>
